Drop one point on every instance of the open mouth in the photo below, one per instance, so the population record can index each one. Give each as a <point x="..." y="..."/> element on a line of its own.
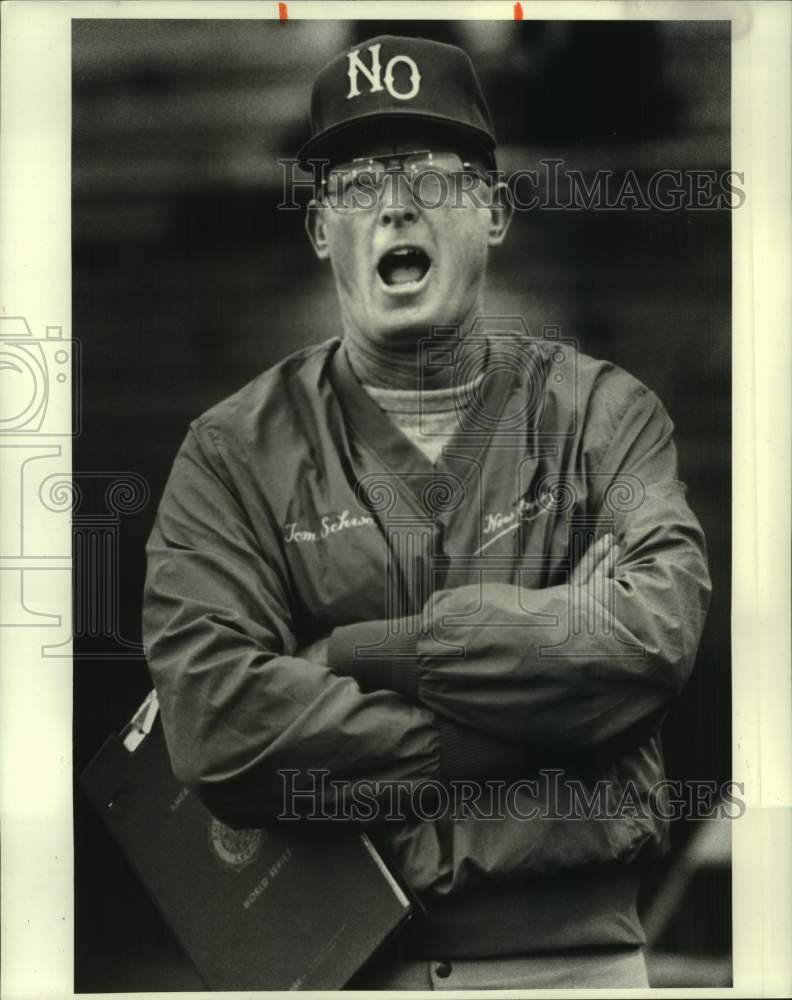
<point x="404" y="266"/>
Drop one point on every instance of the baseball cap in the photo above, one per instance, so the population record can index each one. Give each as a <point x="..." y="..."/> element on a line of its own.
<point x="400" y="80"/>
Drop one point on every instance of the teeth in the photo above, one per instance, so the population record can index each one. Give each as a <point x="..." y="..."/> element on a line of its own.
<point x="403" y="265"/>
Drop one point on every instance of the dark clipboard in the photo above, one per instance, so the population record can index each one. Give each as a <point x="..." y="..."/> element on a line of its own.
<point x="286" y="907"/>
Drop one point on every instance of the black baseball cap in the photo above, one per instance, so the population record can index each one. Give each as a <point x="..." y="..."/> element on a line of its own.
<point x="395" y="80"/>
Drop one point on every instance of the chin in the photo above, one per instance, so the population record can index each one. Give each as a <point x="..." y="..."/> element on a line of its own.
<point x="399" y="327"/>
<point x="417" y="313"/>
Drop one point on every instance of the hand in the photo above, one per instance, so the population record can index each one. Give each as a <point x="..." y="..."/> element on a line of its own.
<point x="598" y="562"/>
<point x="316" y="652"/>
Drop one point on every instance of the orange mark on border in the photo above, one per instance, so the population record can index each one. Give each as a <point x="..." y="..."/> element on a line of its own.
<point x="283" y="11"/>
<point x="518" y="11"/>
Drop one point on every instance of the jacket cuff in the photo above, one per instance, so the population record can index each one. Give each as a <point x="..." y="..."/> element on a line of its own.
<point x="376" y="657"/>
<point x="467" y="753"/>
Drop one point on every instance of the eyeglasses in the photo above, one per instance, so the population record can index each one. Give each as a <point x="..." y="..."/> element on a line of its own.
<point x="432" y="178"/>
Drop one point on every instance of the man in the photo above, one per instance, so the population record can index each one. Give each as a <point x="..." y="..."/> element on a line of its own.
<point x="436" y="552"/>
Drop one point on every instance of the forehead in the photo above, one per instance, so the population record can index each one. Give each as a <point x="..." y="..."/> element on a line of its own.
<point x="386" y="136"/>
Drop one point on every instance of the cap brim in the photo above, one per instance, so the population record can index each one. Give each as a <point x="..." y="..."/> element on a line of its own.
<point x="322" y="145"/>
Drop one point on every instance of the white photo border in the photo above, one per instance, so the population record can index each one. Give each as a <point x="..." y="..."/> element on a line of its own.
<point x="35" y="283"/>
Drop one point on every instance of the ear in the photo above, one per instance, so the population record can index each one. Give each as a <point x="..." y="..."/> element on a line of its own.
<point x="501" y="211"/>
<point x="315" y="227"/>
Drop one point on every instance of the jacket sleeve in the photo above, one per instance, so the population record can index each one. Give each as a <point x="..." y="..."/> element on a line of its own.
<point x="237" y="704"/>
<point x="567" y="667"/>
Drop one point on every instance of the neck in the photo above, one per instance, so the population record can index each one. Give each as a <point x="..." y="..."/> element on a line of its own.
<point x="385" y="368"/>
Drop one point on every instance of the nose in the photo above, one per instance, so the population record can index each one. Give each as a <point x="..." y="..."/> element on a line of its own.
<point x="397" y="206"/>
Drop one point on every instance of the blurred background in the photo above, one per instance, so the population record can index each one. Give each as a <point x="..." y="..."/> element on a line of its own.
<point x="188" y="281"/>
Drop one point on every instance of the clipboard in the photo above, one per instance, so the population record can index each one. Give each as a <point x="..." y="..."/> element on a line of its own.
<point x="278" y="908"/>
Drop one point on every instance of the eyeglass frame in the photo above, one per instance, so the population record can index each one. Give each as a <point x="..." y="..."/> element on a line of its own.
<point x="466" y="168"/>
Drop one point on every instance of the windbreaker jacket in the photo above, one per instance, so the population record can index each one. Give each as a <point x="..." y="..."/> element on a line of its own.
<point x="461" y="650"/>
